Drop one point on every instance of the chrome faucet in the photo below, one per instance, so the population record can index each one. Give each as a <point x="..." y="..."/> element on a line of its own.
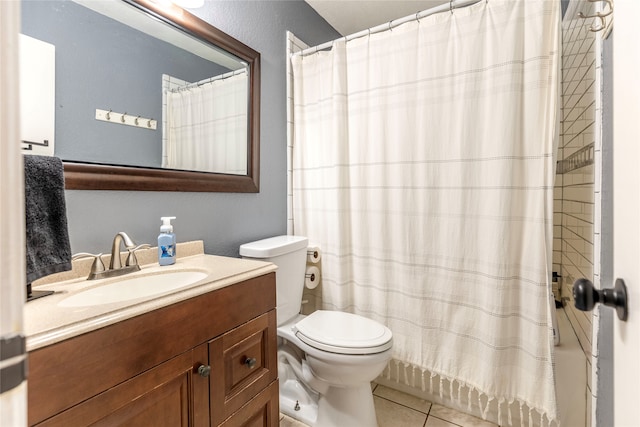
<point x="115" y="264"/>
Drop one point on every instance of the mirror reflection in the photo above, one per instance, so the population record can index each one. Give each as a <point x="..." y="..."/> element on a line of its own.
<point x="132" y="91"/>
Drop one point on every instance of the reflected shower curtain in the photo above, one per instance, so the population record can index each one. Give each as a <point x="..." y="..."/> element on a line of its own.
<point x="423" y="165"/>
<point x="207" y="127"/>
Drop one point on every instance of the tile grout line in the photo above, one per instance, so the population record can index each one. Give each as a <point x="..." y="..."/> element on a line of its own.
<point x="446" y="421"/>
<point x="405" y="406"/>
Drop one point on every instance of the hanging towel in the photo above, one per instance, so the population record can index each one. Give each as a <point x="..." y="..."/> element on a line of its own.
<point x="47" y="239"/>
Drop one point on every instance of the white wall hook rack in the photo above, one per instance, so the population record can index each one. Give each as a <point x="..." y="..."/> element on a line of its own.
<point x="126" y="119"/>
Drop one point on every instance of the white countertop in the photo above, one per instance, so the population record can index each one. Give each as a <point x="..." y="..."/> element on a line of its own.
<point x="47" y="323"/>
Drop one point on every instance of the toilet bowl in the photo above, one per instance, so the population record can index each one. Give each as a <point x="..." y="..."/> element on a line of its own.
<point x="326" y="360"/>
<point x="337" y="369"/>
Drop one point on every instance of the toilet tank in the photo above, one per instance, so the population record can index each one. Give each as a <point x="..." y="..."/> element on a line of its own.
<point x="289" y="253"/>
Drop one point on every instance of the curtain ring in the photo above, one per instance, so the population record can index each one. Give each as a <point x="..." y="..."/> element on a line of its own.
<point x="610" y="4"/>
<point x="602" y="26"/>
<point x="108" y="116"/>
<point x="149" y="123"/>
<point x="136" y="120"/>
<point x="390" y="29"/>
<point x="451" y="6"/>
<point x="122" y="118"/>
<point x="417" y="17"/>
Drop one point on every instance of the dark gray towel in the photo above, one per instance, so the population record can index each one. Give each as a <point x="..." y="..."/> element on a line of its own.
<point x="48" y="249"/>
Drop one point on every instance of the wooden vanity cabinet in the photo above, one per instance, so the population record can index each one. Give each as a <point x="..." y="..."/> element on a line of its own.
<point x="206" y="361"/>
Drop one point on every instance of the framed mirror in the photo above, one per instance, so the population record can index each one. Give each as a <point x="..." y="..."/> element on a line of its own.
<point x="123" y="84"/>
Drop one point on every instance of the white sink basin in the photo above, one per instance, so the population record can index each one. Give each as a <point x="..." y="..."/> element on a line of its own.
<point x="133" y="288"/>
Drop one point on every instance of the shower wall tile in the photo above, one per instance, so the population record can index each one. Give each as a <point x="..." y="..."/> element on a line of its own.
<point x="557" y="229"/>
<point x="590" y="415"/>
<point x="589" y="375"/>
<point x="579" y="323"/>
<point x="576" y="220"/>
<point x="557" y="190"/>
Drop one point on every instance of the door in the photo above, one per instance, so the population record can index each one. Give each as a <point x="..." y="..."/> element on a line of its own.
<point x="13" y="387"/>
<point x="626" y="206"/>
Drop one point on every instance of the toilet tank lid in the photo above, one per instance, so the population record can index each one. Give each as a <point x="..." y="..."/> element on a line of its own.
<point x="273" y="246"/>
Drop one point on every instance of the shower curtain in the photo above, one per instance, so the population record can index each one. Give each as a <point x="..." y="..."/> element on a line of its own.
<point x="423" y="165"/>
<point x="207" y="126"/>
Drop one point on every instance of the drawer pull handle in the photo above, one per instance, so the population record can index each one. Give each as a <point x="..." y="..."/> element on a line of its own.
<point x="204" y="370"/>
<point x="250" y="362"/>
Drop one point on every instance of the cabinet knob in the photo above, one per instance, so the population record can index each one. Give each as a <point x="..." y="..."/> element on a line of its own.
<point x="250" y="362"/>
<point x="204" y="370"/>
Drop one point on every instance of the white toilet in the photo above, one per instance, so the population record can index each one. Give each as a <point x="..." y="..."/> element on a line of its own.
<point x="326" y="360"/>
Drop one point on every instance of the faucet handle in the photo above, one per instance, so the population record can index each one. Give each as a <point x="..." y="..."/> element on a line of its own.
<point x="128" y="241"/>
<point x="96" y="267"/>
<point x="131" y="258"/>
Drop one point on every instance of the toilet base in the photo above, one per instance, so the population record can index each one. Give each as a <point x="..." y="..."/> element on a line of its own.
<point x="330" y="389"/>
<point x="298" y="402"/>
<point x="351" y="406"/>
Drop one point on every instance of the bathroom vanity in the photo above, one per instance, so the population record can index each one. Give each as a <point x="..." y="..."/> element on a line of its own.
<point x="202" y="355"/>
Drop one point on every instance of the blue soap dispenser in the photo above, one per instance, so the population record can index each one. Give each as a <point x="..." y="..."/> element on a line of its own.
<point x="166" y="242"/>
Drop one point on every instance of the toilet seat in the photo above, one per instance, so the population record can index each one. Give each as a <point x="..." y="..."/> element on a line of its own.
<point x="343" y="333"/>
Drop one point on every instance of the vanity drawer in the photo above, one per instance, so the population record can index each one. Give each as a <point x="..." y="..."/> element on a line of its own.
<point x="243" y="362"/>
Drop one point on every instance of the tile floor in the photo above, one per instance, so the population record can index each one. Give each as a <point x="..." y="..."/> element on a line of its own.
<point x="397" y="409"/>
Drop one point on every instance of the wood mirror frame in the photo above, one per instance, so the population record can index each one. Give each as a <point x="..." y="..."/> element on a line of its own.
<point x="90" y="176"/>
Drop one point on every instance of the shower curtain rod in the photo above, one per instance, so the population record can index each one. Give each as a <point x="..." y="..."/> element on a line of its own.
<point x="209" y="80"/>
<point x="449" y="6"/>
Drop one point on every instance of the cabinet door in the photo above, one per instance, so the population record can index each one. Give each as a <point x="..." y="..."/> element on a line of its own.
<point x="261" y="411"/>
<point x="161" y="396"/>
<point x="243" y="363"/>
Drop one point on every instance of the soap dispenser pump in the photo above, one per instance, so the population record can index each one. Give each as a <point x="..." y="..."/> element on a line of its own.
<point x="166" y="242"/>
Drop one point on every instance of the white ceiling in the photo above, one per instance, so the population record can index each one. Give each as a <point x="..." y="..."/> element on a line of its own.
<point x="351" y="16"/>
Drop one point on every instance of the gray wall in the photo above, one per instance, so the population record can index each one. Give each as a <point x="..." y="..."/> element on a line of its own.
<point x="223" y="221"/>
<point x="101" y="63"/>
<point x="565" y="5"/>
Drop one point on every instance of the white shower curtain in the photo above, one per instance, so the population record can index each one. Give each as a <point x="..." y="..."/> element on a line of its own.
<point x="423" y="165"/>
<point x="207" y="127"/>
